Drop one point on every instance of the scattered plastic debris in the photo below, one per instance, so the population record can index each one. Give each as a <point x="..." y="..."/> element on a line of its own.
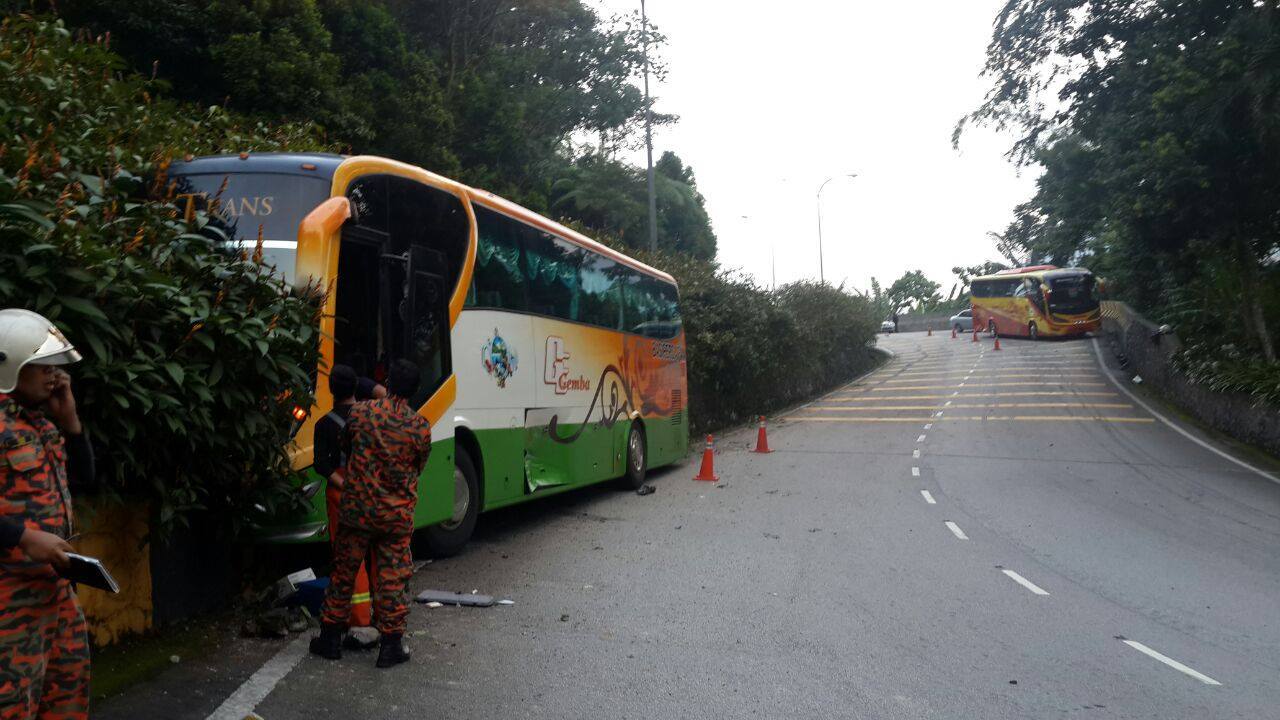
<point x="506" y="602"/>
<point x="361" y="638"/>
<point x="564" y="618"/>
<point x="1137" y="379"/>
<point x="646" y="490"/>
<point x="472" y="599"/>
<point x="175" y="659"/>
<point x="434" y="604"/>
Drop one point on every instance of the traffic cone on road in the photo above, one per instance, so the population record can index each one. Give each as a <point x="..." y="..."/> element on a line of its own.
<point x="953" y="332"/>
<point x="708" y="471"/>
<point x="975" y="334"/>
<point x="997" y="347"/>
<point x="762" y="439"/>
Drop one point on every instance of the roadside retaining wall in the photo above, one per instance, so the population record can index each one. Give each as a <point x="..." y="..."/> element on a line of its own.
<point x="1148" y="354"/>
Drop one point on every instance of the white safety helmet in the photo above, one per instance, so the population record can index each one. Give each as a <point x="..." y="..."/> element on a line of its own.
<point x="27" y="337"/>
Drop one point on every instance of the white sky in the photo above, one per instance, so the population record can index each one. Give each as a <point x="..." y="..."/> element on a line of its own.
<point x="773" y="99"/>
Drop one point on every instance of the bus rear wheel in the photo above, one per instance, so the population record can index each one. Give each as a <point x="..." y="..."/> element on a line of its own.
<point x="991" y="327"/>
<point x="1032" y="332"/>
<point x="449" y="537"/>
<point x="637" y="458"/>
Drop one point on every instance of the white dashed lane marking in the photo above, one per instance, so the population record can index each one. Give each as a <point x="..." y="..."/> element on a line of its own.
<point x="928" y="497"/>
<point x="1024" y="582"/>
<point x="1171" y="662"/>
<point x="955" y="530"/>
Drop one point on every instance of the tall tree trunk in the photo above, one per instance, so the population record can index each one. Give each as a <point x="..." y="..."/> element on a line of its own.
<point x="1253" y="298"/>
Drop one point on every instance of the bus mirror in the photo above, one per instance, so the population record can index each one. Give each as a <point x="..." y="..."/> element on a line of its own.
<point x="317" y="240"/>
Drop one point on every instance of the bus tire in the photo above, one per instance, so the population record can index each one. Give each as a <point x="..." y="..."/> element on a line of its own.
<point x="1032" y="332"/>
<point x="449" y="537"/>
<point x="637" y="457"/>
<point x="991" y="327"/>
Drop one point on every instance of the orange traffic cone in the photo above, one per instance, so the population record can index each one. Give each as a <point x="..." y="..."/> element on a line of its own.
<point x="762" y="439"/>
<point x="953" y="332"/>
<point x="708" y="471"/>
<point x="975" y="334"/>
<point x="997" y="347"/>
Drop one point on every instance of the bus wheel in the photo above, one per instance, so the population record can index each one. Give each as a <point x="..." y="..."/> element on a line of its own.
<point x="637" y="458"/>
<point x="1032" y="332"/>
<point x="449" y="537"/>
<point x="991" y="327"/>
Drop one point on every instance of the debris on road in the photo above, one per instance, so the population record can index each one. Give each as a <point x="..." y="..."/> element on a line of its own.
<point x="645" y="490"/>
<point x="1137" y="379"/>
<point x="417" y="566"/>
<point x="452" y="598"/>
<point x="286" y="586"/>
<point x="564" y="618"/>
<point x="506" y="602"/>
<point x="433" y="604"/>
<point x="361" y="638"/>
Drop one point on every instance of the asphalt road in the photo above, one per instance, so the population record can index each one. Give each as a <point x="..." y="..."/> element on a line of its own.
<point x="963" y="534"/>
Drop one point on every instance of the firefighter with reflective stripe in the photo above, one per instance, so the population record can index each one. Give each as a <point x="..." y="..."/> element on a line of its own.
<point x="330" y="462"/>
<point x="388" y="444"/>
<point x="44" y="647"/>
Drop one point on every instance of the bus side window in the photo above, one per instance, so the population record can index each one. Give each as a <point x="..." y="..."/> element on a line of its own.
<point x="552" y="268"/>
<point x="498" y="280"/>
<point x="601" y="286"/>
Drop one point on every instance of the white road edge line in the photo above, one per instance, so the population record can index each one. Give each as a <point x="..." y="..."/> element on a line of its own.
<point x="915" y="472"/>
<point x="261" y="683"/>
<point x="1171" y="662"/>
<point x="1025" y="582"/>
<point x="955" y="530"/>
<point x="928" y="497"/>
<point x="1106" y="371"/>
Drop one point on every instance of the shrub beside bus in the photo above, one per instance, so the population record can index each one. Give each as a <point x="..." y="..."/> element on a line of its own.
<point x="550" y="362"/>
<point x="1043" y="300"/>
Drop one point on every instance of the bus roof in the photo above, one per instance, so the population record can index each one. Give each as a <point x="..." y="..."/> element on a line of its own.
<point x="320" y="165"/>
<point x="1042" y="271"/>
<point x="326" y="164"/>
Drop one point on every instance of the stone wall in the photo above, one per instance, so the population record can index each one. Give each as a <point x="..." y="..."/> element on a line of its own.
<point x="1146" y="353"/>
<point x="920" y="323"/>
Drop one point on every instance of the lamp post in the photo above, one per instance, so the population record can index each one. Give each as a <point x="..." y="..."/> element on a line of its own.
<point x="648" y="134"/>
<point x="821" y="274"/>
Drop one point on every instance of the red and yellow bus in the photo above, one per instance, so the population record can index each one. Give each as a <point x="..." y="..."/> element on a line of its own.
<point x="1042" y="300"/>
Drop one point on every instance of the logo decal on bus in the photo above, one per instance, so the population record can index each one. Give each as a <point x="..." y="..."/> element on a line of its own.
<point x="500" y="361"/>
<point x="555" y="368"/>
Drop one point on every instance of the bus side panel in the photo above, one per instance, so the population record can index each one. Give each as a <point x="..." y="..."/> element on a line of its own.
<point x="494" y="358"/>
<point x="435" y="485"/>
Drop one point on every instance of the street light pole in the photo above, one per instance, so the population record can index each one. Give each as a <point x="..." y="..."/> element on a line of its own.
<point x="821" y="274"/>
<point x="648" y="134"/>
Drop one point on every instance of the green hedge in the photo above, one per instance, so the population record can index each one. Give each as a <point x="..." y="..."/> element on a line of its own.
<point x="193" y="355"/>
<point x="752" y="351"/>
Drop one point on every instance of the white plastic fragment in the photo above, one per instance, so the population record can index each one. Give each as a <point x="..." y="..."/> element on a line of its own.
<point x="434" y="604"/>
<point x="506" y="602"/>
<point x="1137" y="379"/>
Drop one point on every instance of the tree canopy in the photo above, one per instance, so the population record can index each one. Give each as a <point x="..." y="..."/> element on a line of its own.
<point x="530" y="100"/>
<point x="1157" y="123"/>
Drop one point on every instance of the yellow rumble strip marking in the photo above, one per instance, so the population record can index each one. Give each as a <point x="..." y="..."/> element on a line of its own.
<point x="863" y="397"/>
<point x="990" y="376"/>
<point x="1086" y="406"/>
<point x="949" y="418"/>
<point x="986" y="385"/>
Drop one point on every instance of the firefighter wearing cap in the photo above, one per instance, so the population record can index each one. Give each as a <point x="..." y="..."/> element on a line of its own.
<point x="44" y="649"/>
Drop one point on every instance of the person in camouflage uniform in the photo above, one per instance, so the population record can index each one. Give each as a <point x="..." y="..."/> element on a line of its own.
<point x="44" y="644"/>
<point x="388" y="445"/>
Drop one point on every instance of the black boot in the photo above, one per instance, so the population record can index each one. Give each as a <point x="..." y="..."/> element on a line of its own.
<point x="329" y="643"/>
<point x="392" y="651"/>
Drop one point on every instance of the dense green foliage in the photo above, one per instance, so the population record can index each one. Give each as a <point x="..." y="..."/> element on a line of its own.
<point x="194" y="355"/>
<point x="529" y="100"/>
<point x="752" y="351"/>
<point x="1160" y="154"/>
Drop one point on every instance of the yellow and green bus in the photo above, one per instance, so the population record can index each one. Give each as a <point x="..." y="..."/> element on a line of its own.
<point x="549" y="361"/>
<point x="1042" y="300"/>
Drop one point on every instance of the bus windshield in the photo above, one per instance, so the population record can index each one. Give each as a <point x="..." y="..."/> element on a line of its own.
<point x="1072" y="295"/>
<point x="248" y="205"/>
